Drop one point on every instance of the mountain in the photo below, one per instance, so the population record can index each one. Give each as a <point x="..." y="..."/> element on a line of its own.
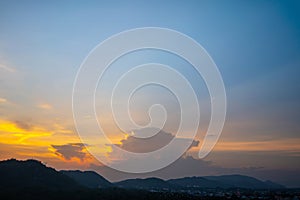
<point x="196" y="182"/>
<point x="271" y="184"/>
<point x="147" y="184"/>
<point x="32" y="173"/>
<point x="88" y="179"/>
<point x="32" y="180"/>
<point x="239" y="181"/>
<point x="225" y="182"/>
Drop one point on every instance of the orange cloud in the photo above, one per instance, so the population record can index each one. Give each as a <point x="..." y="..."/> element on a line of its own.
<point x="2" y="100"/>
<point x="23" y="140"/>
<point x="23" y="133"/>
<point x="18" y="133"/>
<point x="45" y="106"/>
<point x="270" y="145"/>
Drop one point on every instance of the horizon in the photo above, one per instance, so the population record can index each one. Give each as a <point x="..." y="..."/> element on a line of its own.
<point x="142" y="178"/>
<point x="146" y="178"/>
<point x="254" y="45"/>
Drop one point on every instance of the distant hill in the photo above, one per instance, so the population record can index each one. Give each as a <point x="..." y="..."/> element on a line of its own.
<point x="88" y="179"/>
<point x="240" y="181"/>
<point x="196" y="182"/>
<point x="225" y="182"/>
<point x="32" y="173"/>
<point x="147" y="184"/>
<point x="273" y="185"/>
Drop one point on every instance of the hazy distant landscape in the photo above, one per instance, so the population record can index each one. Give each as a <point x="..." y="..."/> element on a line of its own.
<point x="33" y="180"/>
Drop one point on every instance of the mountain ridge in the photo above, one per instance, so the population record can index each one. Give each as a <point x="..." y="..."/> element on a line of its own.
<point x="197" y="182"/>
<point x="88" y="179"/>
<point x="33" y="173"/>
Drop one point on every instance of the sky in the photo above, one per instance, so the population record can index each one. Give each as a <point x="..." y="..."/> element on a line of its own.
<point x="255" y="44"/>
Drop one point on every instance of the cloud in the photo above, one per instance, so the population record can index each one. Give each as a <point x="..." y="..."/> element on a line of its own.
<point x="22" y="132"/>
<point x="71" y="150"/>
<point x="21" y="151"/>
<point x="187" y="165"/>
<point x="282" y="144"/>
<point x="23" y="125"/>
<point x="140" y="157"/>
<point x="3" y="100"/>
<point x="45" y="106"/>
<point x="144" y="145"/>
<point x="7" y="68"/>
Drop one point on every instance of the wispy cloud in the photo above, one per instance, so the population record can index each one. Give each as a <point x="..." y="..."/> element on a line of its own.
<point x="23" y="125"/>
<point x="7" y="68"/>
<point x="45" y="106"/>
<point x="3" y="100"/>
<point x="21" y="132"/>
<point x="288" y="144"/>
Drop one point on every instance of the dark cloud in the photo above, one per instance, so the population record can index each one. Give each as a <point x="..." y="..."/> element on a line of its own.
<point x="23" y="125"/>
<point x="71" y="150"/>
<point x="144" y="145"/>
<point x="160" y="139"/>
